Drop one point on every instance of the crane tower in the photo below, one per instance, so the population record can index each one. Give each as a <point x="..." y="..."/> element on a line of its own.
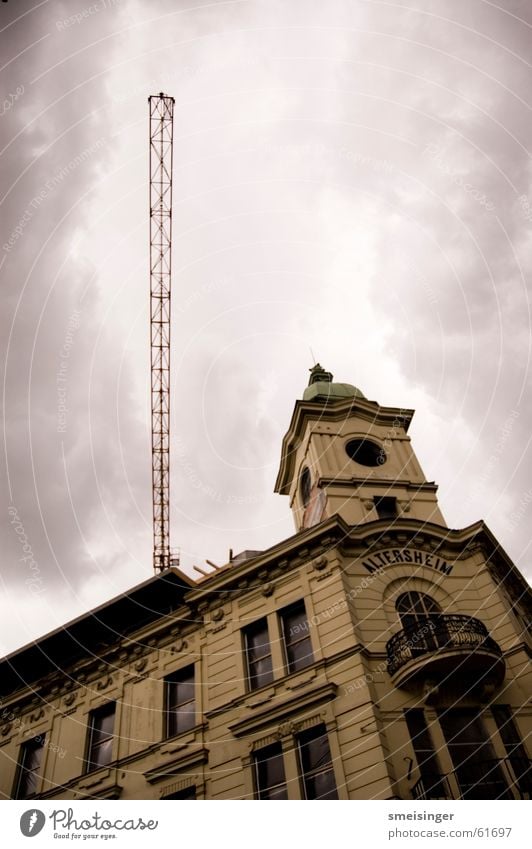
<point x="161" y="108"/>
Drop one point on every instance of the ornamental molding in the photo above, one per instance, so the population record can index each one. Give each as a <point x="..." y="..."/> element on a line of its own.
<point x="278" y="712"/>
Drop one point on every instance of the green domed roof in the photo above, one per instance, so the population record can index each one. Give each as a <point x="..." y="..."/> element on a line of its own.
<point x="321" y="386"/>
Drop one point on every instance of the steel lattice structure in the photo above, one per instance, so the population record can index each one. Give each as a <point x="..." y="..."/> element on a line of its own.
<point x="161" y="156"/>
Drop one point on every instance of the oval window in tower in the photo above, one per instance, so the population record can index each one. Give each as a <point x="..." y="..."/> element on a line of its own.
<point x="305" y="484"/>
<point x="365" y="452"/>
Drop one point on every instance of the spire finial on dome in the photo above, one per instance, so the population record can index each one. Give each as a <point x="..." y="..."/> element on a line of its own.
<point x="318" y="374"/>
<point x="321" y="387"/>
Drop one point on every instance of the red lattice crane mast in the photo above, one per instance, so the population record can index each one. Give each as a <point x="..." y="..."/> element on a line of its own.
<point x="161" y="156"/>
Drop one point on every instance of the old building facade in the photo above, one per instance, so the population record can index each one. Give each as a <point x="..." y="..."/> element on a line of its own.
<point x="375" y="654"/>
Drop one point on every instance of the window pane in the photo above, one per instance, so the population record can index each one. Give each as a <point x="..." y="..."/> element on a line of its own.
<point x="258" y="643"/>
<point x="258" y="654"/>
<point x="315" y="764"/>
<point x="101" y="736"/>
<point x="276" y="793"/>
<point x="106" y="722"/>
<point x="270" y="773"/>
<point x="295" y="623"/>
<point x="103" y="753"/>
<point x="272" y="769"/>
<point x="321" y="786"/>
<point x="315" y="753"/>
<point x="515" y="749"/>
<point x="33" y="757"/>
<point x="261" y="673"/>
<point x="103" y="724"/>
<point x="28" y="784"/>
<point x="181" y="719"/>
<point x="386" y="507"/>
<point x="433" y="784"/>
<point x="297" y="641"/>
<point x="299" y="655"/>
<point x="477" y="769"/>
<point x="178" y="693"/>
<point x="29" y="765"/>
<point x="180" y="701"/>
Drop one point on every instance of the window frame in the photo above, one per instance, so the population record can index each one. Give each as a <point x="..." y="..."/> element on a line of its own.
<point x="260" y="790"/>
<point x="514" y="746"/>
<point x="425" y="754"/>
<point x="246" y="631"/>
<point x="386" y="507"/>
<point x="22" y="773"/>
<point x="103" y="711"/>
<point x="169" y="712"/>
<point x="310" y="735"/>
<point x="283" y="615"/>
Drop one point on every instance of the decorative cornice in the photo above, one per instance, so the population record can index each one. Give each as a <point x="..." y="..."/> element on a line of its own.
<point x="278" y="711"/>
<point x="333" y="411"/>
<point x="189" y="757"/>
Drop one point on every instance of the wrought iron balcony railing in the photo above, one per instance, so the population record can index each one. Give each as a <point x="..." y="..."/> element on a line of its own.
<point x="439" y="631"/>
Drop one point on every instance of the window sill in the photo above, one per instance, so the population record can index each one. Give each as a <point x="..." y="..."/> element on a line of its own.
<point x="181" y="740"/>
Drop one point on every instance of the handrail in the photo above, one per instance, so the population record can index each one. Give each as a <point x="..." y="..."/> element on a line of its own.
<point x="435" y="632"/>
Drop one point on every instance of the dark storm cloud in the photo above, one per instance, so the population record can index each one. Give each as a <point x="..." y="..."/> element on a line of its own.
<point x="351" y="177"/>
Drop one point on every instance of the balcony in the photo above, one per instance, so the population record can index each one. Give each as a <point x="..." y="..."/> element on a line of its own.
<point x="446" y="647"/>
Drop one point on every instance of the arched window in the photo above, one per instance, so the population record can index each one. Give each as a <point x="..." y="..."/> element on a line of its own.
<point x="421" y="618"/>
<point x="305" y="484"/>
<point x="416" y="604"/>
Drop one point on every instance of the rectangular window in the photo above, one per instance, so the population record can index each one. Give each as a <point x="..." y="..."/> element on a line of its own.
<point x="269" y="773"/>
<point x="29" y="766"/>
<point x="101" y="728"/>
<point x="296" y="636"/>
<point x="431" y="784"/>
<point x="517" y="754"/>
<point x="258" y="654"/>
<point x="180" y="702"/>
<point x="316" y="767"/>
<point x="386" y="507"/>
<point x="477" y="769"/>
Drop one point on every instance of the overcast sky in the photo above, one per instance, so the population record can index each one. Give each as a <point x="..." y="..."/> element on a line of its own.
<point x="350" y="177"/>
